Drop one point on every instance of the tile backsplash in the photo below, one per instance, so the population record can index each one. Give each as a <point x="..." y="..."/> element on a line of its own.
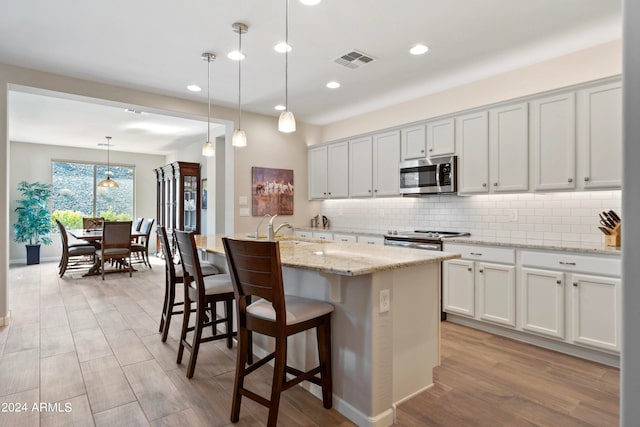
<point x="556" y="219"/>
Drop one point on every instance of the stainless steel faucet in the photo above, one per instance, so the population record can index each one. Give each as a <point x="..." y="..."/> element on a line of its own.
<point x="259" y="224"/>
<point x="271" y="233"/>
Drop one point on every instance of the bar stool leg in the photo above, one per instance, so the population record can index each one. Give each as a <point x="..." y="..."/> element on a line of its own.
<point x="279" y="365"/>
<point x="241" y="367"/>
<point x="323" y="335"/>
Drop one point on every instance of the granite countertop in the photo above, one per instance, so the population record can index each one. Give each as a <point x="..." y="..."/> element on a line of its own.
<point x="348" y="259"/>
<point x="589" y="248"/>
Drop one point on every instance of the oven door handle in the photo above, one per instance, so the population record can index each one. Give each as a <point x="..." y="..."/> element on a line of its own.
<point x="414" y="245"/>
<point x="438" y="175"/>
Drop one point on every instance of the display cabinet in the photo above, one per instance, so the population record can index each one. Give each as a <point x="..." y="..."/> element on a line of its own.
<point x="178" y="197"/>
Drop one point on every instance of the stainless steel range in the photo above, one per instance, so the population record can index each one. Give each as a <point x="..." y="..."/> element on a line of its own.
<point x="420" y="239"/>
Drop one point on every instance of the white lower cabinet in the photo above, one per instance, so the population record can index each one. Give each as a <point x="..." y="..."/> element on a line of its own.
<point x="459" y="287"/>
<point x="542" y="301"/>
<point x="482" y="284"/>
<point x="496" y="293"/>
<point x="302" y="233"/>
<point x="595" y="311"/>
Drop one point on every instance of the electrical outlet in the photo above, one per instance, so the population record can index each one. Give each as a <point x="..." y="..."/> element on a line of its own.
<point x="385" y="300"/>
<point x="513" y="215"/>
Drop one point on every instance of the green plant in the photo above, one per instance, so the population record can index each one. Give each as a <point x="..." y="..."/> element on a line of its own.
<point x="34" y="218"/>
<point x="69" y="218"/>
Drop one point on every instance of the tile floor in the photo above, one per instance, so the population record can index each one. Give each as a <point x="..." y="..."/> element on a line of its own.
<point x="89" y="350"/>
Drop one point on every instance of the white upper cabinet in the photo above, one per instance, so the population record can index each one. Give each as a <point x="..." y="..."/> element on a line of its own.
<point x="554" y="142"/>
<point x="413" y="142"/>
<point x="338" y="170"/>
<point x="374" y="165"/>
<point x="600" y="136"/>
<point x="441" y="138"/>
<point x="473" y="139"/>
<point x="329" y="171"/>
<point x="361" y="167"/>
<point x="509" y="148"/>
<point x="318" y="172"/>
<point x="386" y="163"/>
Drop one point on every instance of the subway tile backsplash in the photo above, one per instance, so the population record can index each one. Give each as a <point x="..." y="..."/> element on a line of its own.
<point x="554" y="219"/>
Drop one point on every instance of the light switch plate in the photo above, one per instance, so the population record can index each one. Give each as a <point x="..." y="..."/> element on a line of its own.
<point x="244" y="211"/>
<point x="242" y="201"/>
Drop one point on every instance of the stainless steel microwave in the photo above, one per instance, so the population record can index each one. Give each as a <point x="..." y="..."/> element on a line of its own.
<point x="428" y="176"/>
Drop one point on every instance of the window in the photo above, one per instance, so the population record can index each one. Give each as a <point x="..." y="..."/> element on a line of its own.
<point x="76" y="194"/>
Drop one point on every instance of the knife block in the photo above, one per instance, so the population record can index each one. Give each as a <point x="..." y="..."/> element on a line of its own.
<point x="613" y="239"/>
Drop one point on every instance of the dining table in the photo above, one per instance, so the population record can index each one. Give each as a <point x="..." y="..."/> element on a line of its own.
<point x="94" y="236"/>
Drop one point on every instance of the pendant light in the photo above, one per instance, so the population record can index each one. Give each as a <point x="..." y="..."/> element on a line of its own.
<point x="286" y="122"/>
<point x="239" y="137"/>
<point x="208" y="150"/>
<point x="108" y="182"/>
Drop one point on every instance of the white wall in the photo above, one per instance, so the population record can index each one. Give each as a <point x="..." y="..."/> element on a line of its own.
<point x="32" y="162"/>
<point x="554" y="219"/>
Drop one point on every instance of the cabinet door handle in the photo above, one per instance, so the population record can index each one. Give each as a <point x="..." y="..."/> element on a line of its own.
<point x="495" y="184"/>
<point x="430" y="149"/>
<point x="559" y="282"/>
<point x="469" y="269"/>
<point x="422" y="151"/>
<point x="369" y="191"/>
<point x="484" y="184"/>
<point x="344" y="240"/>
<point x="481" y="271"/>
<point x="575" y="284"/>
<point x="567" y="263"/>
<point x="371" y="243"/>
<point x="375" y="191"/>
<point x="475" y="253"/>
<point x="586" y="179"/>
<point x="570" y="180"/>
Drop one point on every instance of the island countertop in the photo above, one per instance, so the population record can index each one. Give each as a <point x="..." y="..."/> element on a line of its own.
<point x="348" y="259"/>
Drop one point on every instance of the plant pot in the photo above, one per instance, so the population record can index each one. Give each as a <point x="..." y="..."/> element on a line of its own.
<point x="33" y="254"/>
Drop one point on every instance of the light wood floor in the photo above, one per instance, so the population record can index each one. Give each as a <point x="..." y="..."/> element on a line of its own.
<point x="95" y="346"/>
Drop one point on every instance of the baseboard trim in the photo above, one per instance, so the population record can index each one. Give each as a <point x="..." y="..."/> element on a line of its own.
<point x="6" y="320"/>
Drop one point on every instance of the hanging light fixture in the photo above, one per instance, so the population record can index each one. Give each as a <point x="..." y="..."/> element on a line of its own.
<point x="108" y="182"/>
<point x="239" y="137"/>
<point x="287" y="121"/>
<point x="208" y="150"/>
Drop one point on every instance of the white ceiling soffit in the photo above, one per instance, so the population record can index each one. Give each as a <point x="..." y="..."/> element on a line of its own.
<point x="48" y="119"/>
<point x="156" y="47"/>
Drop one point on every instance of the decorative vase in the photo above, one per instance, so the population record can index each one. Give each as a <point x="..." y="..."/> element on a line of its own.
<point x="33" y="254"/>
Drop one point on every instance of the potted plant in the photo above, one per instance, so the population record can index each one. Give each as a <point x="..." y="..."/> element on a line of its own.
<point x="34" y="219"/>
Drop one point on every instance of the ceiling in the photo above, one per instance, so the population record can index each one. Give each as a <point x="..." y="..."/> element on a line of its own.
<point x="156" y="47"/>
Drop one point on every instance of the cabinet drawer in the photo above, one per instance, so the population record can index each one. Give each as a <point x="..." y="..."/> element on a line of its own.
<point x="323" y="235"/>
<point x="609" y="266"/>
<point x="302" y="233"/>
<point x="483" y="253"/>
<point x="371" y="240"/>
<point x="338" y="237"/>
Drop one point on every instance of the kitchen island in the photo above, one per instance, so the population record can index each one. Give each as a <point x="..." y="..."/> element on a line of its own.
<point x="386" y="323"/>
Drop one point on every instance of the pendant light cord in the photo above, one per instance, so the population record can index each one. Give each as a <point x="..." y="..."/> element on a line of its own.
<point x="108" y="157"/>
<point x="208" y="98"/>
<point x="239" y="76"/>
<point x="286" y="57"/>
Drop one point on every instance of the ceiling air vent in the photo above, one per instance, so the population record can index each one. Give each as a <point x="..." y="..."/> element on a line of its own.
<point x="353" y="60"/>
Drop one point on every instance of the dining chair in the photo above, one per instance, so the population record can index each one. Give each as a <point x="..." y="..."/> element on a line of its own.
<point x="79" y="251"/>
<point x="116" y="245"/>
<point x="142" y="249"/>
<point x="256" y="270"/>
<point x="203" y="292"/>
<point x="172" y="277"/>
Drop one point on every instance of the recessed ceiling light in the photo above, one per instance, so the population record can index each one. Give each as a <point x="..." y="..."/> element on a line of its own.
<point x="333" y="85"/>
<point x="418" y="49"/>
<point x="282" y="47"/>
<point x="310" y="2"/>
<point x="194" y="88"/>
<point x="280" y="107"/>
<point x="235" y="55"/>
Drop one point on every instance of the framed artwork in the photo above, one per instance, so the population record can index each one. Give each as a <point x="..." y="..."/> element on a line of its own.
<point x="204" y="193"/>
<point x="271" y="191"/>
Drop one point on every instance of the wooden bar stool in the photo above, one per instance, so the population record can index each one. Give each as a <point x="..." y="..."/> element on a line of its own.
<point x="255" y="269"/>
<point x="203" y="292"/>
<point x="172" y="277"/>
